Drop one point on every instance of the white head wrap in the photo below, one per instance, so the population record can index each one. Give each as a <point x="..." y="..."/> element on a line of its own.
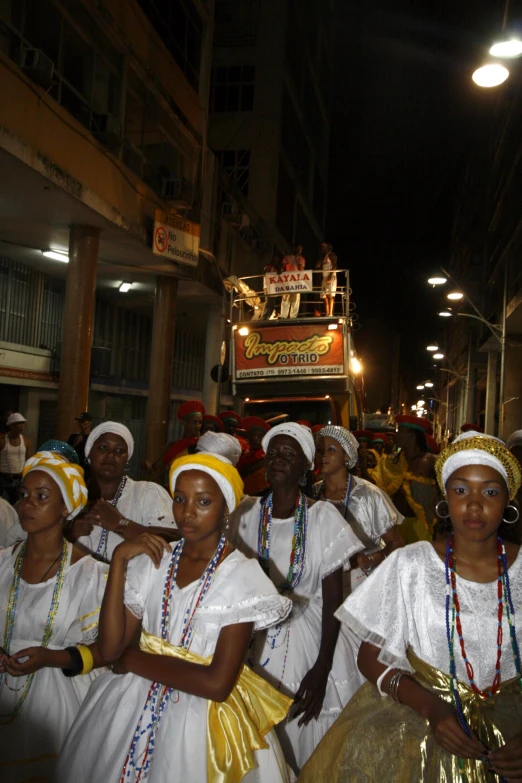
<point x="345" y="438"/>
<point x="300" y="433"/>
<point x="224" y="474"/>
<point x="473" y="456"/>
<point x="515" y="439"/>
<point x="113" y="427"/>
<point x="221" y="445"/>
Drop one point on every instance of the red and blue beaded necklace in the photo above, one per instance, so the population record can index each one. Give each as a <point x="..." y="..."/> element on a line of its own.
<point x="158" y="696"/>
<point x="297" y="555"/>
<point x="504" y="603"/>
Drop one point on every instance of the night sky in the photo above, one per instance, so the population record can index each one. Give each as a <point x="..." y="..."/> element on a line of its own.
<point x="405" y="113"/>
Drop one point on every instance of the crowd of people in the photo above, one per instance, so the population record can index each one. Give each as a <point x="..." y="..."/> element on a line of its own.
<point x="299" y="602"/>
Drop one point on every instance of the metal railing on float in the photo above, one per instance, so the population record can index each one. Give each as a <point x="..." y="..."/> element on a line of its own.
<point x="257" y="298"/>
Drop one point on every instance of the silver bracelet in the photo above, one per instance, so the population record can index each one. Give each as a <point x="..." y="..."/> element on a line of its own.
<point x="124" y="522"/>
<point x="393" y="686"/>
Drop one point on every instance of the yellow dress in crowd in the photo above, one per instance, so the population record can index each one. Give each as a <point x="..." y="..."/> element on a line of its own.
<point x="391" y="474"/>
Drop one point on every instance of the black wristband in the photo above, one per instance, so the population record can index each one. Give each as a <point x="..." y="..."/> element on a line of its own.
<point x="77" y="662"/>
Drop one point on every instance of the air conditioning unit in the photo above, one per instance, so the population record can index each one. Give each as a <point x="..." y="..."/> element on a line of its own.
<point x="107" y="128"/>
<point x="172" y="188"/>
<point x="38" y="66"/>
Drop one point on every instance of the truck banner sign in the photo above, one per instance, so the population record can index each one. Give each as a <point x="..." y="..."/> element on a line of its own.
<point x="300" y="350"/>
<point x="288" y="282"/>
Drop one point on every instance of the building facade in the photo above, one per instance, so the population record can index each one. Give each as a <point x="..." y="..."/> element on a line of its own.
<point x="103" y="121"/>
<point x="483" y="381"/>
<point x="270" y="101"/>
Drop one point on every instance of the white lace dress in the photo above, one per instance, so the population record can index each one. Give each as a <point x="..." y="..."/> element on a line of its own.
<point x="287" y="652"/>
<point x="30" y="744"/>
<point x="370" y="514"/>
<point x="143" y="502"/>
<point x="99" y="741"/>
<point x="403" y="602"/>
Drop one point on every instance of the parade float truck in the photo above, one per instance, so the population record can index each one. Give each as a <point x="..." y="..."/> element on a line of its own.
<point x="302" y="368"/>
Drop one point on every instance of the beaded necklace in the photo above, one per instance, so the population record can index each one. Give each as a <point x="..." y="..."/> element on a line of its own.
<point x="159" y="694"/>
<point x="10" y="617"/>
<point x="504" y="602"/>
<point x="297" y="556"/>
<point x="350" y="482"/>
<point x="101" y="549"/>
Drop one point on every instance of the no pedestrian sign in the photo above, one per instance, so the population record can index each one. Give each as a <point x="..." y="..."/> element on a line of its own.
<point x="175" y="238"/>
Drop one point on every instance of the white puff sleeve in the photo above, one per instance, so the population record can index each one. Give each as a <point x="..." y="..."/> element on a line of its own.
<point x="89" y="609"/>
<point x="337" y="540"/>
<point x="155" y="505"/>
<point x="137" y="584"/>
<point x="382" y="513"/>
<point x="377" y="612"/>
<point x="247" y="595"/>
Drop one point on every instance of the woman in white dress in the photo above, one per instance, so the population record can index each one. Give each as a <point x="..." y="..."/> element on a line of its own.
<point x="440" y="626"/>
<point x="119" y="506"/>
<point x="50" y="597"/>
<point x="183" y="706"/>
<point x="329" y="281"/>
<point x="367" y="509"/>
<point x="302" y="545"/>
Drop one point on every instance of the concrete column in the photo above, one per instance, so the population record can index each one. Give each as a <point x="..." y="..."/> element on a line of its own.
<point x="513" y="388"/>
<point x="161" y="361"/>
<point x="490" y="425"/>
<point x="77" y="328"/>
<point x="213" y="342"/>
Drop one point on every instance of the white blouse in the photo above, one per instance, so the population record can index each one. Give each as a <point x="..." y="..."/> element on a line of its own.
<point x="143" y="502"/>
<point x="403" y="604"/>
<point x="53" y="701"/>
<point x="104" y="729"/>
<point x="370" y="513"/>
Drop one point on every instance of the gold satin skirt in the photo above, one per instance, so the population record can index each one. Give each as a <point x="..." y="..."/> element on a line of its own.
<point x="377" y="740"/>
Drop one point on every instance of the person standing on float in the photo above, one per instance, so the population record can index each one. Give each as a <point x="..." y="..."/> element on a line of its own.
<point x="292" y="263"/>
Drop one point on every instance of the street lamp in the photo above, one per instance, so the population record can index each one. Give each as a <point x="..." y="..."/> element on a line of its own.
<point x="428" y="385"/>
<point x="420" y="387"/>
<point x="438" y="355"/>
<point x="432" y="347"/>
<point x="490" y="75"/>
<point x="497" y="330"/>
<point x="455" y="296"/>
<point x="507" y="48"/>
<point x="436" y="280"/>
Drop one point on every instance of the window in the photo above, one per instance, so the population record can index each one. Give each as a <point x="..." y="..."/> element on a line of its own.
<point x="237" y="165"/>
<point x="179" y="25"/>
<point x="233" y="88"/>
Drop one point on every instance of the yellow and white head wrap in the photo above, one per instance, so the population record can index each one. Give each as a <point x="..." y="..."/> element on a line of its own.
<point x="224" y="474"/>
<point x="68" y="477"/>
<point x="475" y="448"/>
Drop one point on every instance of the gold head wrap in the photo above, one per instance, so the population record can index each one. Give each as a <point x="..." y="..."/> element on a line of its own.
<point x="473" y="448"/>
<point x="223" y="473"/>
<point x="69" y="478"/>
